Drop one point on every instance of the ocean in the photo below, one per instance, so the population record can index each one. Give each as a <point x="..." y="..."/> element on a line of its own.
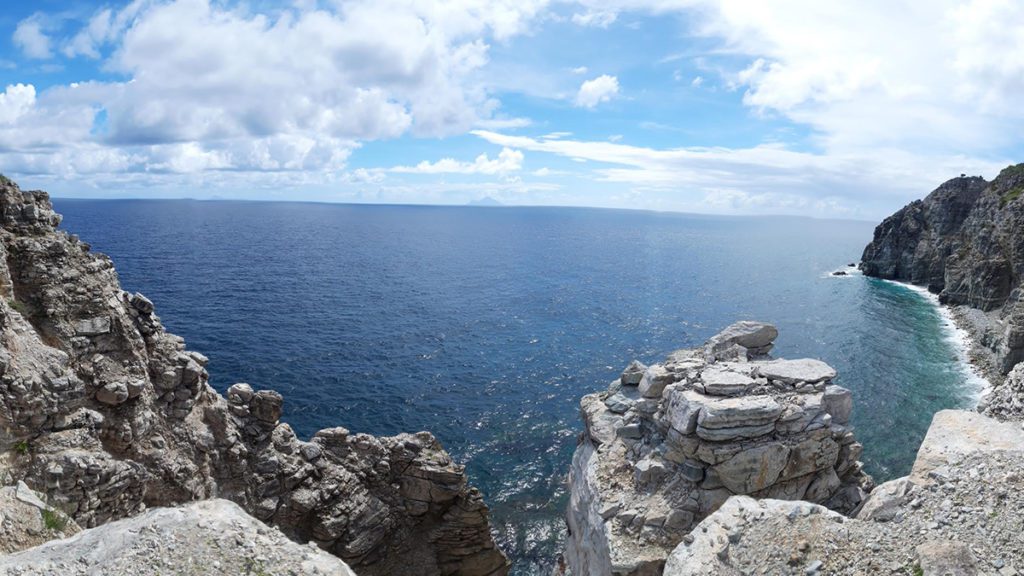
<point x="485" y="326"/>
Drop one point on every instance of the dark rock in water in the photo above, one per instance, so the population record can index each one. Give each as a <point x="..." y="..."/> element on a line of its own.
<point x="840" y="273"/>
<point x="852" y="265"/>
<point x="965" y="242"/>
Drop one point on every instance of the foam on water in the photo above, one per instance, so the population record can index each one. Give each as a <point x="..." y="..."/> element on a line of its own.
<point x="974" y="380"/>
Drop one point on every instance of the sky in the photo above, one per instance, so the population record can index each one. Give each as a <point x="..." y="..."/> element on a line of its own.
<point x="827" y="109"/>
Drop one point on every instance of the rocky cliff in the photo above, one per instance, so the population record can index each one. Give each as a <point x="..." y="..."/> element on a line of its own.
<point x="667" y="445"/>
<point x="107" y="414"/>
<point x="957" y="513"/>
<point x="965" y="242"/>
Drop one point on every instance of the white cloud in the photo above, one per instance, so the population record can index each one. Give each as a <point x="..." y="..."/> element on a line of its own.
<point x="508" y="160"/>
<point x="796" y="181"/>
<point x="215" y="86"/>
<point x="503" y="123"/>
<point x="16" y="101"/>
<point x="600" y="89"/>
<point x="697" y="81"/>
<point x="579" y="70"/>
<point x="30" y="38"/>
<point x="596" y="18"/>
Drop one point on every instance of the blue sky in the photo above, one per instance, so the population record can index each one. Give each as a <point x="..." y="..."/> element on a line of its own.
<point x="735" y="107"/>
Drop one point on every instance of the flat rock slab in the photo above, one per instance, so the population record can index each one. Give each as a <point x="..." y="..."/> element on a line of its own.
<point x="719" y="382"/>
<point x="739" y="412"/>
<point x="954" y="434"/>
<point x="748" y="334"/>
<point x="796" y="371"/>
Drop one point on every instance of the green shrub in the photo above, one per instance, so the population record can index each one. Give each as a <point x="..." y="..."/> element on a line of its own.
<point x="54" y="520"/>
<point x="1011" y="171"/>
<point x="1010" y="196"/>
<point x="20" y="307"/>
<point x="21" y="447"/>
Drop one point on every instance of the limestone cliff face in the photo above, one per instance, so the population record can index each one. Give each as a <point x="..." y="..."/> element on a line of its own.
<point x="958" y="512"/>
<point x="668" y="444"/>
<point x="108" y="414"/>
<point x="965" y="242"/>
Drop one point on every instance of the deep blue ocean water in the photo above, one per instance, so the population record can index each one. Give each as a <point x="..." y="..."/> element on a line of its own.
<point x="486" y="325"/>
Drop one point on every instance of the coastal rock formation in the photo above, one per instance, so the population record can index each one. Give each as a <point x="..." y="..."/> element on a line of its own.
<point x="27" y="520"/>
<point x="660" y="455"/>
<point x="965" y="242"/>
<point x="108" y="414"/>
<point x="208" y="537"/>
<point x="957" y="513"/>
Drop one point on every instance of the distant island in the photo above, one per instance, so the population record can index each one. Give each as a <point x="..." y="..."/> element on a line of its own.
<point x="484" y="201"/>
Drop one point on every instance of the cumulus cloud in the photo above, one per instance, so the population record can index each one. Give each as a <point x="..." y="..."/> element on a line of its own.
<point x="16" y="101"/>
<point x="508" y="160"/>
<point x="215" y="86"/>
<point x="31" y="39"/>
<point x="883" y="97"/>
<point x="600" y="89"/>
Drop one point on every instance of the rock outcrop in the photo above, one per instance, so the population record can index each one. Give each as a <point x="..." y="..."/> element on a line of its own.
<point x="108" y="414"/>
<point x="207" y="537"/>
<point x="965" y="242"/>
<point x="958" y="513"/>
<point x="662" y="452"/>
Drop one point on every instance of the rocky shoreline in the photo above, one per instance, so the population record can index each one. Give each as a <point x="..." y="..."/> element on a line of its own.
<point x="107" y="416"/>
<point x="964" y="242"/>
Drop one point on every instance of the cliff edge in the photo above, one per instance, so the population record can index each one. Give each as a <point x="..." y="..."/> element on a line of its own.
<point x="965" y="242"/>
<point x="107" y="415"/>
<point x="957" y="513"/>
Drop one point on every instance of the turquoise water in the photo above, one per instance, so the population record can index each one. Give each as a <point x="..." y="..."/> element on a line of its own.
<point x="486" y="326"/>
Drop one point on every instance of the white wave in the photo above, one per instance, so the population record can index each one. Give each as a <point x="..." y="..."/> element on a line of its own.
<point x="848" y="272"/>
<point x="976" y="382"/>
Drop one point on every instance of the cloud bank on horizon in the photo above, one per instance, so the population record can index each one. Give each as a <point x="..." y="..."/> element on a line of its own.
<point x="727" y="106"/>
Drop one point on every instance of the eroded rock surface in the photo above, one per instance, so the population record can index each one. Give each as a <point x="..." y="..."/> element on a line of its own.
<point x="108" y="414"/>
<point x="208" y="537"/>
<point x="697" y="429"/>
<point x="958" y="513"/>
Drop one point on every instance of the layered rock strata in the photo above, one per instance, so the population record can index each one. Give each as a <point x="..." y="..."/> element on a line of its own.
<point x="665" y="449"/>
<point x="965" y="242"/>
<point x="108" y="414"/>
<point x="957" y="513"/>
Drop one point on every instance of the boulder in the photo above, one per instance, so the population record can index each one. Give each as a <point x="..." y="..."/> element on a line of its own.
<point x="654" y="380"/>
<point x="633" y="373"/>
<point x="838" y="402"/>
